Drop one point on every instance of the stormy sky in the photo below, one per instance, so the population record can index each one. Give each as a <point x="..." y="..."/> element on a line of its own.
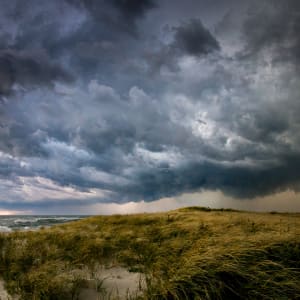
<point x="106" y="105"/>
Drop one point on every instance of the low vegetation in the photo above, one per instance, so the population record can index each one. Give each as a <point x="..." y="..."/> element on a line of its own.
<point x="190" y="253"/>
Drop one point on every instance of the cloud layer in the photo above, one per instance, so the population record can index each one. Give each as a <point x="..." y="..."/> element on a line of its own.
<point x="139" y="100"/>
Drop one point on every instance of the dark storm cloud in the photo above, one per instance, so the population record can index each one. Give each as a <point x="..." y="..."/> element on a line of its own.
<point x="239" y="181"/>
<point x="120" y="15"/>
<point x="89" y="36"/>
<point x="189" y="38"/>
<point x="28" y="71"/>
<point x="194" y="39"/>
<point x="168" y="98"/>
<point x="127" y="8"/>
<point x="133" y="8"/>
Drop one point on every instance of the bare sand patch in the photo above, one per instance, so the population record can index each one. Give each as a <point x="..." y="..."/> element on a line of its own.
<point x="3" y="293"/>
<point x="113" y="283"/>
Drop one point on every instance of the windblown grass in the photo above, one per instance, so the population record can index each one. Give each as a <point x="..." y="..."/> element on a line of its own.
<point x="190" y="253"/>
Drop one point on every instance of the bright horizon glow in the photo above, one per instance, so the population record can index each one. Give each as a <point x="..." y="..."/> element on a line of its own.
<point x="12" y="212"/>
<point x="286" y="201"/>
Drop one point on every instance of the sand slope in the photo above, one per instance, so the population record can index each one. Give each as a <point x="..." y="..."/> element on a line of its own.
<point x="116" y="283"/>
<point x="3" y="294"/>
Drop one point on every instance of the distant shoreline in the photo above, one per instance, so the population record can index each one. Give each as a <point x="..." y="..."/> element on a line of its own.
<point x="34" y="222"/>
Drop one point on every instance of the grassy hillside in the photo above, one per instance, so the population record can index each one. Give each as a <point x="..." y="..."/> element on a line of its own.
<point x="190" y="253"/>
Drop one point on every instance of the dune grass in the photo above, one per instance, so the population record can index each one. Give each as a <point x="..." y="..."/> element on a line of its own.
<point x="190" y="253"/>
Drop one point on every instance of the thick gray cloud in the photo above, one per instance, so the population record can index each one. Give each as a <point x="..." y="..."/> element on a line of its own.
<point x="138" y="100"/>
<point x="189" y="38"/>
<point x="28" y="71"/>
<point x="194" y="39"/>
<point x="133" y="8"/>
<point x="119" y="15"/>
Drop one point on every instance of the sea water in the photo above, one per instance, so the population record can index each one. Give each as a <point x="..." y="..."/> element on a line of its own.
<point x="11" y="223"/>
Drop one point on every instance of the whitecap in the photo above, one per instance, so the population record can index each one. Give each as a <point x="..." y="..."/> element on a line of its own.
<point x="5" y="229"/>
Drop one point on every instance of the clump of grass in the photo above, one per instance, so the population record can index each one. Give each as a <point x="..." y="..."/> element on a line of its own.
<point x="190" y="253"/>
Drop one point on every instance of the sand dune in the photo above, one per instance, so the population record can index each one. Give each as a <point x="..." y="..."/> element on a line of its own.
<point x="113" y="283"/>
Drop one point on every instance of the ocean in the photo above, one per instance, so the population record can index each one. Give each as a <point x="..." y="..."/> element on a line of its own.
<point x="11" y="223"/>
